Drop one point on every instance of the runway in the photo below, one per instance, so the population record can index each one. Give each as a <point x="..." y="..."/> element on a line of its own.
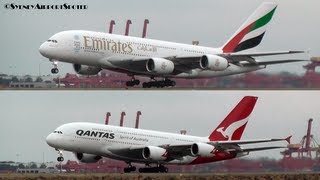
<point x="156" y="176"/>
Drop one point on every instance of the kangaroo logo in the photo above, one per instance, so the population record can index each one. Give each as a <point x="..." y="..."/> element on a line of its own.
<point x="228" y="132"/>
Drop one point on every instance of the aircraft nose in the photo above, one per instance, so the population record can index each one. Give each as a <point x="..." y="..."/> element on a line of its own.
<point x="43" y="49"/>
<point x="51" y="139"/>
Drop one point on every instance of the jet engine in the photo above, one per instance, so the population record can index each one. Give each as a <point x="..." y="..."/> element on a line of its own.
<point x="86" y="70"/>
<point x="87" y="158"/>
<point x="213" y="62"/>
<point x="159" y="66"/>
<point x="202" y="150"/>
<point x="154" y="153"/>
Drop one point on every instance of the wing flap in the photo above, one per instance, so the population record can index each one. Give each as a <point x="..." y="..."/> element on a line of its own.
<point x="256" y="149"/>
<point x="253" y="54"/>
<point x="272" y="62"/>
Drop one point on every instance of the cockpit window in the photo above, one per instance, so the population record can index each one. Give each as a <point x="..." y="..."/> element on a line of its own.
<point x="52" y="40"/>
<point x="58" y="132"/>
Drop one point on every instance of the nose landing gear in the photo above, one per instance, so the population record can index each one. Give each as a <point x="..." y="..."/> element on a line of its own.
<point x="60" y="158"/>
<point x="55" y="69"/>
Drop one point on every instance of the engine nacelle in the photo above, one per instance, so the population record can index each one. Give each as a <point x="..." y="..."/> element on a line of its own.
<point x="159" y="66"/>
<point x="86" y="70"/>
<point x="213" y="62"/>
<point x="87" y="158"/>
<point x="154" y="153"/>
<point x="202" y="150"/>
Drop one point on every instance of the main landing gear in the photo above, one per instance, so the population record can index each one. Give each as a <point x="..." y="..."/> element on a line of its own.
<point x="158" y="169"/>
<point x="129" y="169"/>
<point x="159" y="84"/>
<point x="133" y="82"/>
<point x="55" y="69"/>
<point x="152" y="83"/>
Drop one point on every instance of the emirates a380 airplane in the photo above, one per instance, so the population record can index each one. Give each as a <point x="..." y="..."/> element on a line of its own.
<point x="90" y="52"/>
<point x="90" y="142"/>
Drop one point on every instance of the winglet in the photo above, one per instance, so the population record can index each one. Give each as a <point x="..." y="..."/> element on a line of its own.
<point x="288" y="139"/>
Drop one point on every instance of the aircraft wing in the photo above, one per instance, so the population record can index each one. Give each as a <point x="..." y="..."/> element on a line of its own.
<point x="248" y="141"/>
<point x="177" y="151"/>
<point x="187" y="63"/>
<point x="246" y="59"/>
<point x="223" y="146"/>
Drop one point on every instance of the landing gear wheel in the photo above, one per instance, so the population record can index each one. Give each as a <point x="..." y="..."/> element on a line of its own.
<point x="129" y="83"/>
<point x="163" y="169"/>
<point x="133" y="82"/>
<point x="136" y="82"/>
<point x="129" y="169"/>
<point x="60" y="159"/>
<point x="159" y="84"/>
<point x="54" y="70"/>
<point x="158" y="169"/>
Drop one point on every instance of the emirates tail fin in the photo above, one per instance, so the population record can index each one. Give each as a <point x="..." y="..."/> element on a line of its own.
<point x="251" y="32"/>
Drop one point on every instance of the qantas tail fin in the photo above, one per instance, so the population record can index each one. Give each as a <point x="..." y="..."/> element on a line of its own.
<point x="251" y="32"/>
<point x="232" y="127"/>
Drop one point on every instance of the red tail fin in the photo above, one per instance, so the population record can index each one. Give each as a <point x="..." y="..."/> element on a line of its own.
<point x="232" y="127"/>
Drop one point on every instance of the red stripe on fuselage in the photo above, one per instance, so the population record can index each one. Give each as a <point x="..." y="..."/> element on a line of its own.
<point x="233" y="43"/>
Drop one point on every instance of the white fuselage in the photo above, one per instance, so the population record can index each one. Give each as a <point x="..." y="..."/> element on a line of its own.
<point x="99" y="139"/>
<point x="99" y="49"/>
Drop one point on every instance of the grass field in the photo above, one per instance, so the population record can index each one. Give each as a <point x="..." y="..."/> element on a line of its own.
<point x="171" y="176"/>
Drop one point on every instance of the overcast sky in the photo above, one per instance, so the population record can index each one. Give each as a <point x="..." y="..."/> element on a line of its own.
<point x="295" y="26"/>
<point x="27" y="117"/>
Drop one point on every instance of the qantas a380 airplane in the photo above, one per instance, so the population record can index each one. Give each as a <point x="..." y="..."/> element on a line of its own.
<point x="90" y="142"/>
<point x="90" y="52"/>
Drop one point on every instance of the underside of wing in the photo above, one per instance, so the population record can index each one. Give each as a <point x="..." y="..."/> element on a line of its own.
<point x="173" y="65"/>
